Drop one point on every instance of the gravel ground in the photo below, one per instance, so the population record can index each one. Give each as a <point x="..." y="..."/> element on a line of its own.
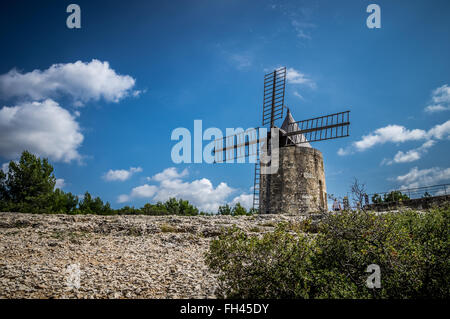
<point x="88" y="256"/>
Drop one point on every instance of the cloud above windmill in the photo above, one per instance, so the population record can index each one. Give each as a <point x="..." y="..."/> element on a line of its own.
<point x="294" y="76"/>
<point x="241" y="61"/>
<point x="299" y="16"/>
<point x="302" y="29"/>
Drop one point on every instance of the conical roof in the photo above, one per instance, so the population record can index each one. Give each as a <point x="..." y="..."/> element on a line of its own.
<point x="289" y="125"/>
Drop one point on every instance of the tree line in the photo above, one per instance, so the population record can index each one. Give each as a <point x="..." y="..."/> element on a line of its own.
<point x="29" y="187"/>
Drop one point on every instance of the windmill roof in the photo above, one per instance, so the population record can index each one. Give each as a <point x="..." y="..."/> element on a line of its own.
<point x="289" y="125"/>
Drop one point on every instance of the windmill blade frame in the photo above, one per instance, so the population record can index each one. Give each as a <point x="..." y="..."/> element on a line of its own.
<point x="273" y="98"/>
<point x="320" y="128"/>
<point x="240" y="145"/>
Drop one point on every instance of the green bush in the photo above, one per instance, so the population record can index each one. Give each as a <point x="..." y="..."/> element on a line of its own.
<point x="267" y="267"/>
<point x="395" y="196"/>
<point x="376" y="199"/>
<point x="411" y="249"/>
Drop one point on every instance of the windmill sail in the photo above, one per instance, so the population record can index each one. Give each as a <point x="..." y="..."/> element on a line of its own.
<point x="301" y="133"/>
<point x="320" y="128"/>
<point x="240" y="145"/>
<point x="273" y="101"/>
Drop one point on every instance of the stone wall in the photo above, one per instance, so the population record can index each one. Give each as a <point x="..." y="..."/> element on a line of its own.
<point x="299" y="185"/>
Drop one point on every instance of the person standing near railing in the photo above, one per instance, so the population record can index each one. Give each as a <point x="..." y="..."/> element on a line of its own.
<point x="337" y="206"/>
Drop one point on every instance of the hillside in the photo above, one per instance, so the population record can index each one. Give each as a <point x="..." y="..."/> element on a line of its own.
<point x="118" y="256"/>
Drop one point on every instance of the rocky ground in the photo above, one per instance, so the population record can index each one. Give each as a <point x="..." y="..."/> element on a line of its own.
<point x="43" y="256"/>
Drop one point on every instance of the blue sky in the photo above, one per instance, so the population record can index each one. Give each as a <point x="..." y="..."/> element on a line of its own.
<point x="148" y="67"/>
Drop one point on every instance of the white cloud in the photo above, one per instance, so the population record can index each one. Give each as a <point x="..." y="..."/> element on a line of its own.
<point x="442" y="94"/>
<point x="241" y="61"/>
<point x="301" y="29"/>
<point x="398" y="134"/>
<point x="200" y="192"/>
<point x="299" y="17"/>
<point x="5" y="166"/>
<point x="390" y="133"/>
<point x="169" y="173"/>
<point x="436" y="108"/>
<point x="144" y="191"/>
<point x="441" y="131"/>
<point x="424" y="177"/>
<point x="246" y="200"/>
<point x="343" y="152"/>
<point x="60" y="183"/>
<point x="123" y="198"/>
<point x="440" y="98"/>
<point x="43" y="128"/>
<point x="411" y="155"/>
<point x="298" y="95"/>
<point x="83" y="81"/>
<point x="121" y="174"/>
<point x="296" y="77"/>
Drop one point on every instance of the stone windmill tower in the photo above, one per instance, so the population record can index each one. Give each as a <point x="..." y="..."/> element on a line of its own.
<point x="297" y="184"/>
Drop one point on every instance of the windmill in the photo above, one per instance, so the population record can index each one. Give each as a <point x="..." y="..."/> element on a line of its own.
<point x="299" y="182"/>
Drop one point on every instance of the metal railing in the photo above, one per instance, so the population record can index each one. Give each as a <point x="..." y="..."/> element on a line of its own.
<point x="409" y="193"/>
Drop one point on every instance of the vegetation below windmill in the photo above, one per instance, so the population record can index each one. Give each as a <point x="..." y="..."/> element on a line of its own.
<point x="29" y="187"/>
<point x="411" y="249"/>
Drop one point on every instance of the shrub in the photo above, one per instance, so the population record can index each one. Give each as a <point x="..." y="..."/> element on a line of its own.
<point x="376" y="199"/>
<point x="272" y="266"/>
<point x="395" y="196"/>
<point x="411" y="249"/>
<point x="166" y="228"/>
